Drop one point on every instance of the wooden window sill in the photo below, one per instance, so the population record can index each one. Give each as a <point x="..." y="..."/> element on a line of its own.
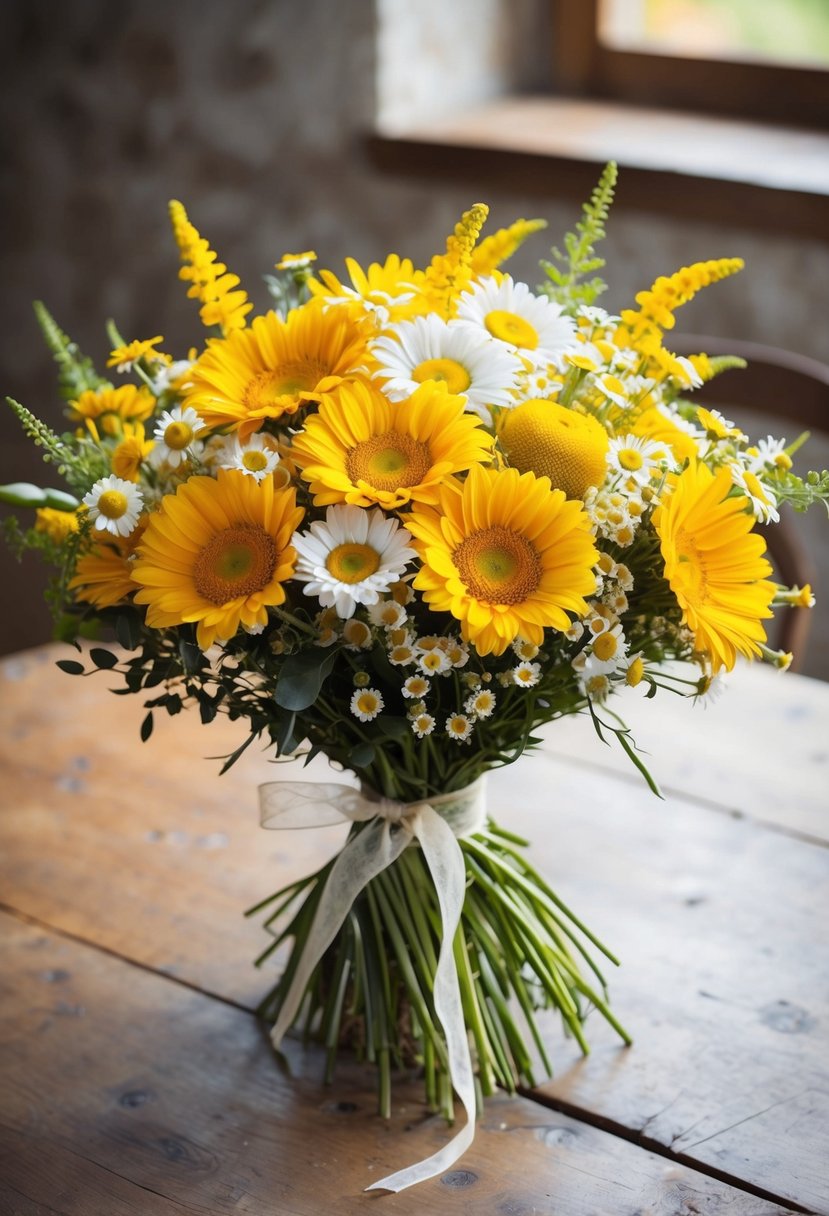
<point x="690" y="165"/>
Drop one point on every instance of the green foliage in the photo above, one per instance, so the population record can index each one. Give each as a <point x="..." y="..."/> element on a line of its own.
<point x="78" y="459"/>
<point x="288" y="288"/>
<point x="24" y="494"/>
<point x="579" y="259"/>
<point x="76" y="373"/>
<point x="801" y="492"/>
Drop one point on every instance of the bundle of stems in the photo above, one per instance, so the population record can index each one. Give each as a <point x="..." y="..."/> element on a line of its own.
<point x="519" y="950"/>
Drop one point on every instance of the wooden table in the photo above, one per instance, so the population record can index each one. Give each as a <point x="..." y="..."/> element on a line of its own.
<point x="135" y="1079"/>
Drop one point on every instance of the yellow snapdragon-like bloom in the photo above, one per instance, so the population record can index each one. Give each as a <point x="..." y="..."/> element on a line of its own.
<point x="450" y="273"/>
<point x="495" y="249"/>
<point x="217" y="291"/>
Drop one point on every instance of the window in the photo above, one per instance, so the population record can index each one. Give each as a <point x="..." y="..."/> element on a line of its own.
<point x="758" y="59"/>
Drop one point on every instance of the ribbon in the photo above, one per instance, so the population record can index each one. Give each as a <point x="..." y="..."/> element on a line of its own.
<point x="391" y="827"/>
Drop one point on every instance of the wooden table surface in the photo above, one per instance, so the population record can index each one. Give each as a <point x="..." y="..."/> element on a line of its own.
<point x="135" y="1080"/>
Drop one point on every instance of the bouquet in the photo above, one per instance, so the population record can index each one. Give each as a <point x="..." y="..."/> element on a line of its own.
<point x="401" y="520"/>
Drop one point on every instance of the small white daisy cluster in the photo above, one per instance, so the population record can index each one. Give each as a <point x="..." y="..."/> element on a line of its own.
<point x="605" y="659"/>
<point x="526" y="673"/>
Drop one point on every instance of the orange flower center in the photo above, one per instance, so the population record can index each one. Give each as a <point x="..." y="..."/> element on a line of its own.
<point x="389" y="461"/>
<point x="498" y="566"/>
<point x="235" y="563"/>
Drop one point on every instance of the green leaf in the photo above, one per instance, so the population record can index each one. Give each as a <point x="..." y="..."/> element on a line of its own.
<point x="147" y="727"/>
<point x="103" y="658"/>
<point x="25" y="494"/>
<point x="302" y="677"/>
<point x="362" y="755"/>
<point x="391" y="727"/>
<point x="70" y="667"/>
<point x="127" y="631"/>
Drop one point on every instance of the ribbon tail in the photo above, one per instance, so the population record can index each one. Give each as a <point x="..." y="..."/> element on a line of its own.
<point x="445" y="861"/>
<point x="366" y="855"/>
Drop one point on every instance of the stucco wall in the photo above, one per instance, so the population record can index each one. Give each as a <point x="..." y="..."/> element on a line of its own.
<point x="254" y="113"/>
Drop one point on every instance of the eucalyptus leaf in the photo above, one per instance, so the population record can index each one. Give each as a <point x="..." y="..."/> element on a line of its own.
<point x="302" y="677"/>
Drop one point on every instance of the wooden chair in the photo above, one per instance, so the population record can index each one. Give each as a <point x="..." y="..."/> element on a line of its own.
<point x="794" y="391"/>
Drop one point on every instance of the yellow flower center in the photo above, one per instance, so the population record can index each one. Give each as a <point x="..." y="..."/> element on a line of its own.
<point x="631" y="459"/>
<point x="509" y="327"/>
<point x="448" y="371"/>
<point x="389" y="461"/>
<point x="234" y="563"/>
<point x="351" y="563"/>
<point x="367" y="703"/>
<point x="553" y="441"/>
<point x="177" y="435"/>
<point x="498" y="565"/>
<point x="289" y="379"/>
<point x="113" y="504"/>
<point x="605" y="646"/>
<point x="254" y="460"/>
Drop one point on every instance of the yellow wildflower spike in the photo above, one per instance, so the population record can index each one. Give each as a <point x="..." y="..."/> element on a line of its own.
<point x="449" y="273"/>
<point x="502" y="245"/>
<point x="658" y="304"/>
<point x="211" y="284"/>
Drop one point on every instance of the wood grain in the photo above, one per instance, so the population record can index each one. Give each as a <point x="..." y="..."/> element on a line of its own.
<point x="145" y="852"/>
<point x="123" y="1093"/>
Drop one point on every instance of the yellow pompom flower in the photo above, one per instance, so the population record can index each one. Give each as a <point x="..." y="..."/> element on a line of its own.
<point x="714" y="564"/>
<point x="217" y="553"/>
<point x="274" y="367"/>
<point x="110" y="408"/>
<point x="553" y="441"/>
<point x="505" y="555"/>
<point x="364" y="449"/>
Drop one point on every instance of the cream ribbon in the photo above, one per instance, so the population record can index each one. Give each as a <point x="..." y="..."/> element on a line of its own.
<point x="391" y="827"/>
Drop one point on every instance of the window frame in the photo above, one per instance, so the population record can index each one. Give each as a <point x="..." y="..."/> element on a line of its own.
<point x="585" y="67"/>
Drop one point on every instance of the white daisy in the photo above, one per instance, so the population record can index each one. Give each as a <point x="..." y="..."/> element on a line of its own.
<point x="638" y="459"/>
<point x="352" y="557"/>
<point x="481" y="704"/>
<point x="366" y="703"/>
<point x="761" y="499"/>
<point x="525" y="675"/>
<point x="423" y="725"/>
<point x="174" y="434"/>
<point x="387" y="613"/>
<point x="114" y="505"/>
<point x="434" y="663"/>
<point x="357" y="635"/>
<point x="468" y="362"/>
<point x="416" y="687"/>
<point x="166" y="376"/>
<point x="530" y="325"/>
<point x="769" y="453"/>
<point x="609" y="652"/>
<point x="257" y="458"/>
<point x="524" y="649"/>
<point x="459" y="727"/>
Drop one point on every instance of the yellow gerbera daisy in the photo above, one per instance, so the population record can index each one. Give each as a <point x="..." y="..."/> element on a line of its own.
<point x="363" y="449"/>
<point x="110" y="407"/>
<point x="275" y="366"/>
<point x="131" y="452"/>
<point x="714" y="564"/>
<point x="217" y="553"/>
<point x="391" y="289"/>
<point x="506" y="555"/>
<point x="103" y="575"/>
